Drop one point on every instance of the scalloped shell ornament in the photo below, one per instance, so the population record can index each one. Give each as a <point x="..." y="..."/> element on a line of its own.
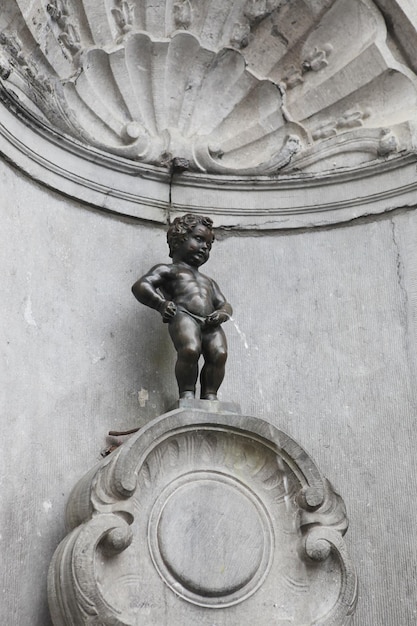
<point x="174" y="98"/>
<point x="249" y="87"/>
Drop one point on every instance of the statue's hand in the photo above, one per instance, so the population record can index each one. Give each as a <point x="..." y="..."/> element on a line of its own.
<point x="216" y="318"/>
<point x="168" y="310"/>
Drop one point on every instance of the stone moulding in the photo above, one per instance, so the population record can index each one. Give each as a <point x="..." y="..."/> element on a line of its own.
<point x="286" y="114"/>
<point x="204" y="512"/>
<point x="238" y="87"/>
<point x="145" y="192"/>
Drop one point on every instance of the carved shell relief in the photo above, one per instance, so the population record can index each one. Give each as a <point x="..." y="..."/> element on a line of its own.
<point x="200" y="512"/>
<point x="248" y="87"/>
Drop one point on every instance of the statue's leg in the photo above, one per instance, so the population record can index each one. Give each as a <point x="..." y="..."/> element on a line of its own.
<point x="186" y="336"/>
<point x="214" y="347"/>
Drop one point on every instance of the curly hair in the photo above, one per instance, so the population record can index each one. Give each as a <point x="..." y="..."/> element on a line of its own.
<point x="182" y="226"/>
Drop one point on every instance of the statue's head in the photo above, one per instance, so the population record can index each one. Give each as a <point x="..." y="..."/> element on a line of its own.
<point x="180" y="229"/>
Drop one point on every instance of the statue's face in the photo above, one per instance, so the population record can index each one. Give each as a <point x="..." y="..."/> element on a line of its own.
<point x="195" y="250"/>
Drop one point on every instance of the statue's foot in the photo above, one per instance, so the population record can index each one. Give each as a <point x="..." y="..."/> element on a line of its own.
<point x="187" y="395"/>
<point x="209" y="396"/>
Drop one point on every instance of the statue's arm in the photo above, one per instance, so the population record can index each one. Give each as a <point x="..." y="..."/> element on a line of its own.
<point x="146" y="290"/>
<point x="223" y="309"/>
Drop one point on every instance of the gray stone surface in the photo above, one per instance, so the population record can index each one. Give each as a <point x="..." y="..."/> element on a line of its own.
<point x="204" y="510"/>
<point x="315" y="85"/>
<point x="208" y="405"/>
<point x="323" y="344"/>
<point x="289" y="114"/>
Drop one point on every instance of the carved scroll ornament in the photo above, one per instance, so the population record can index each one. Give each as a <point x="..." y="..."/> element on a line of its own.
<point x="248" y="89"/>
<point x="202" y="511"/>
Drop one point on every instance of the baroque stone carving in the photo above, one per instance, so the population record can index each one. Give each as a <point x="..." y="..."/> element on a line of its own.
<point x="69" y="36"/>
<point x="249" y="87"/>
<point x="204" y="509"/>
<point x="149" y="193"/>
<point x="123" y="15"/>
<point x="314" y="62"/>
<point x="341" y="132"/>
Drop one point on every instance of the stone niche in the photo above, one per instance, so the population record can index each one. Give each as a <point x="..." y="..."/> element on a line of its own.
<point x="303" y="106"/>
<point x="205" y="516"/>
<point x="281" y="114"/>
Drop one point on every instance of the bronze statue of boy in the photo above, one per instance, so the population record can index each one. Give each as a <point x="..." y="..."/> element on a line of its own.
<point x="191" y="304"/>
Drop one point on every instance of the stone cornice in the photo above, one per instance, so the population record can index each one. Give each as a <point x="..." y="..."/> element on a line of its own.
<point x="122" y="186"/>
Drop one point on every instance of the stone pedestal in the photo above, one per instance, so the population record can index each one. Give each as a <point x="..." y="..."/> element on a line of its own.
<point x="205" y="516"/>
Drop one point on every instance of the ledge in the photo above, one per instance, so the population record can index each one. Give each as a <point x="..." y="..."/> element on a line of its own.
<point x="144" y="192"/>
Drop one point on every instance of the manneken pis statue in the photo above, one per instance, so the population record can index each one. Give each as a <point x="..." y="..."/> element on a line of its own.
<point x="191" y="304"/>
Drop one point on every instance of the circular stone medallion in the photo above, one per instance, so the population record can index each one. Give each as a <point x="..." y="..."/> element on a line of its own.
<point x="210" y="539"/>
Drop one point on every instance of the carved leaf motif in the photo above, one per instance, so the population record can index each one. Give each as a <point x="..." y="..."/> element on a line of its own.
<point x="208" y="449"/>
<point x="272" y="482"/>
<point x="352" y="118"/>
<point x="119" y="17"/>
<point x="240" y="34"/>
<point x="173" y="452"/>
<point x="123" y="15"/>
<point x="183" y="13"/>
<point x="146" y="475"/>
<point x="317" y="59"/>
<point x="53" y="11"/>
<point x="198" y="99"/>
<point x="293" y="77"/>
<point x="132" y="550"/>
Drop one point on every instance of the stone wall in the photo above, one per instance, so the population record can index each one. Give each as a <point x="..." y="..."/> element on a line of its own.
<point x="323" y="344"/>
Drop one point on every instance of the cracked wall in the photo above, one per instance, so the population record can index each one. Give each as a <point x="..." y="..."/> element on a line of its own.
<point x="323" y="344"/>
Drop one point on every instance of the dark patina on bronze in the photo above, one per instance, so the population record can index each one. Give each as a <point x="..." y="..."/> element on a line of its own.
<point x="191" y="304"/>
